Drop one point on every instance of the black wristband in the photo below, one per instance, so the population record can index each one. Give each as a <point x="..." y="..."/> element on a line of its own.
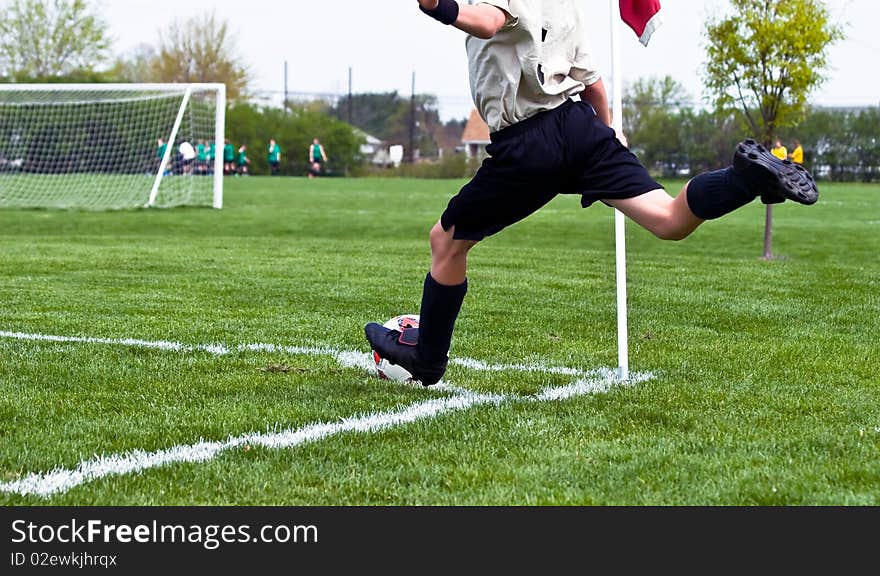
<point x="446" y="11"/>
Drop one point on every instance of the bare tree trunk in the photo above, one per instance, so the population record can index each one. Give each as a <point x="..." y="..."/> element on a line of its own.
<point x="768" y="233"/>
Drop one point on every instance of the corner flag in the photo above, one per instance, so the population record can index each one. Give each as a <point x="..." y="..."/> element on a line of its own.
<point x="643" y="16"/>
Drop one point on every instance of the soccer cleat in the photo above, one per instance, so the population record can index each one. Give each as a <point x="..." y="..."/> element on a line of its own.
<point x="772" y="198"/>
<point x="401" y="348"/>
<point x="777" y="179"/>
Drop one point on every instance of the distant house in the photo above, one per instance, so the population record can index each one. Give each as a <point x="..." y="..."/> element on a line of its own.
<point x="373" y="149"/>
<point x="475" y="136"/>
<point x="377" y="152"/>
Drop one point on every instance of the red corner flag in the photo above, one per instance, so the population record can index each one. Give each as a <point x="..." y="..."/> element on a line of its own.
<point x="642" y="16"/>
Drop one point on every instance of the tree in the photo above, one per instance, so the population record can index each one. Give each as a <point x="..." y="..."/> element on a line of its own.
<point x="866" y="127"/>
<point x="45" y="39"/>
<point x="370" y="112"/>
<point x="709" y="139"/>
<point x="294" y="130"/>
<point x="652" y="123"/>
<point x="202" y="49"/>
<point x="423" y="111"/>
<point x="764" y="61"/>
<point x="136" y="66"/>
<point x="388" y="116"/>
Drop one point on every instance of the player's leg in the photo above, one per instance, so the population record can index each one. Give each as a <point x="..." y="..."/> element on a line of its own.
<point x="754" y="173"/>
<point x="423" y="350"/>
<point x="520" y="176"/>
<point x="443" y="293"/>
<point x="666" y="217"/>
<point x="620" y="180"/>
<point x="482" y="207"/>
<point x="449" y="256"/>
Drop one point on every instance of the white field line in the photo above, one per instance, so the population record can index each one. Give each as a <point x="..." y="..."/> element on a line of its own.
<point x="64" y="479"/>
<point x="348" y="359"/>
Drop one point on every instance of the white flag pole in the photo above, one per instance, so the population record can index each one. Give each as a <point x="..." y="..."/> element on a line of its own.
<point x="619" y="220"/>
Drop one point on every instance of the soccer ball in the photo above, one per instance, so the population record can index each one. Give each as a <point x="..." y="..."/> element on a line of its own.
<point x="385" y="369"/>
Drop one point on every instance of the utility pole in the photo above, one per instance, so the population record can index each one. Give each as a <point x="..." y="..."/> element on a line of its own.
<point x="285" y="85"/>
<point x="412" y="122"/>
<point x="349" y="95"/>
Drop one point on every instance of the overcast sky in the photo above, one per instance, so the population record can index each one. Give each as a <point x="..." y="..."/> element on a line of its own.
<point x="384" y="42"/>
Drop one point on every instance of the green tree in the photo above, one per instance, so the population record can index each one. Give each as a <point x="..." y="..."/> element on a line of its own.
<point x="136" y="65"/>
<point x="827" y="141"/>
<point x="866" y="127"/>
<point x="842" y="145"/>
<point x="709" y="138"/>
<point x="370" y="112"/>
<point x="388" y="116"/>
<point x="294" y="130"/>
<point x="423" y="111"/>
<point x="652" y="123"/>
<point x="764" y="61"/>
<point x="201" y="49"/>
<point x="45" y="39"/>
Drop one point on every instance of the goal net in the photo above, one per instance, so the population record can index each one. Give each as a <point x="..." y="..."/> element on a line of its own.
<point x="111" y="146"/>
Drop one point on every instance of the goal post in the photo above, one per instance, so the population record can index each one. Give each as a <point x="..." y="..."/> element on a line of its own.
<point x="111" y="146"/>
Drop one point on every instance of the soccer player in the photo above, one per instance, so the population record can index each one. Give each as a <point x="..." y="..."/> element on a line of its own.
<point x="274" y="156"/>
<point x="201" y="157"/>
<point x="797" y="155"/>
<point x="187" y="156"/>
<point x="317" y="157"/>
<point x="228" y="157"/>
<point x="534" y="84"/>
<point x="212" y="155"/>
<point x="242" y="161"/>
<point x="779" y="150"/>
<point x="160" y="153"/>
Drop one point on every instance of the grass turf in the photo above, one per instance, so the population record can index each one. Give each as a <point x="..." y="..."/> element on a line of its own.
<point x="765" y="385"/>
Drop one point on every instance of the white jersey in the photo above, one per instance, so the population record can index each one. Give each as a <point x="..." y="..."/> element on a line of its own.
<point x="186" y="150"/>
<point x="537" y="61"/>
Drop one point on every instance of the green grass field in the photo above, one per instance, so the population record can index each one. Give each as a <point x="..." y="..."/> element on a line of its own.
<point x="755" y="382"/>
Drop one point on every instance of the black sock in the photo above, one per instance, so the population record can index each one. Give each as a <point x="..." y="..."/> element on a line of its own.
<point x="440" y="307"/>
<point x="713" y="194"/>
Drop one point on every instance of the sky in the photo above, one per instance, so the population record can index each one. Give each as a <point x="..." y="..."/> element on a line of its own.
<point x="383" y="44"/>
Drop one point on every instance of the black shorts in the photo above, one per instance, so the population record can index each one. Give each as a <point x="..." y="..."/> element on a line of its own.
<point x="567" y="150"/>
